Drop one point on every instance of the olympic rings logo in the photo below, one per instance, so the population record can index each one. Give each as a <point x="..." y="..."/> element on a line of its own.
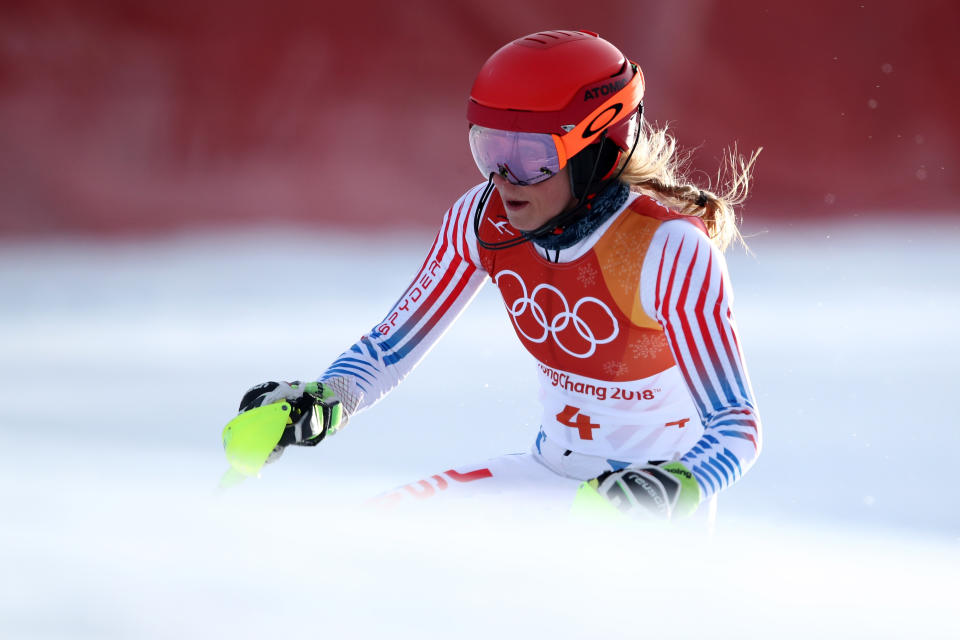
<point x="568" y="317"/>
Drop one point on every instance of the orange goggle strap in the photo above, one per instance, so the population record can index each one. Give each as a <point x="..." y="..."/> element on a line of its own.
<point x="619" y="105"/>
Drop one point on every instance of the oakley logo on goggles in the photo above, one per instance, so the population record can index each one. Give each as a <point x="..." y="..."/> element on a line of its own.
<point x="524" y="158"/>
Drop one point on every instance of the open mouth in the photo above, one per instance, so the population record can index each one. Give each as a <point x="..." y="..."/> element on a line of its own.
<point x="516" y="204"/>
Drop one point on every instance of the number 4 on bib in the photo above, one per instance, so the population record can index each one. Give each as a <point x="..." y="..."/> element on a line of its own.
<point x="582" y="422"/>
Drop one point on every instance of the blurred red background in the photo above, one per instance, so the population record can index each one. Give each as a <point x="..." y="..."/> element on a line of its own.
<point x="140" y="116"/>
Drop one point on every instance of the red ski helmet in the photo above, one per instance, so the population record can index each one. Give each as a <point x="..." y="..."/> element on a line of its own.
<point x="573" y="85"/>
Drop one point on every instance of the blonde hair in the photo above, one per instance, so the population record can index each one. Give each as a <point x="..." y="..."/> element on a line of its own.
<point x="657" y="169"/>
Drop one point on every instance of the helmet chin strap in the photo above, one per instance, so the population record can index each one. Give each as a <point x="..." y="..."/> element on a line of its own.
<point x="562" y="219"/>
<point x="478" y="214"/>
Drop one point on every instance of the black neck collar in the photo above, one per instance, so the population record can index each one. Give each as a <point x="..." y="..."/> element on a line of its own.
<point x="604" y="205"/>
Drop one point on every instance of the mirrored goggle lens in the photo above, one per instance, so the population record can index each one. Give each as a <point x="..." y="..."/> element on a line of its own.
<point x="520" y="158"/>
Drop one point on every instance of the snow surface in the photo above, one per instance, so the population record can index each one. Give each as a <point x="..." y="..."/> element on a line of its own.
<point x="121" y="361"/>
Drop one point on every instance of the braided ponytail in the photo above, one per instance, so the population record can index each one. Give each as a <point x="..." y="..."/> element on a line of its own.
<point x="656" y="168"/>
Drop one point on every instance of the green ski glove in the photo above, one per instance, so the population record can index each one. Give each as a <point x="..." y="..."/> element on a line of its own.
<point x="315" y="411"/>
<point x="668" y="491"/>
<point x="274" y="415"/>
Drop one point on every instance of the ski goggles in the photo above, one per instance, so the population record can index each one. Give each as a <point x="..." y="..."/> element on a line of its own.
<point x="518" y="157"/>
<point x="524" y="157"/>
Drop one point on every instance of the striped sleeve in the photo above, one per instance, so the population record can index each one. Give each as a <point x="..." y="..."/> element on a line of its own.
<point x="686" y="287"/>
<point x="446" y="282"/>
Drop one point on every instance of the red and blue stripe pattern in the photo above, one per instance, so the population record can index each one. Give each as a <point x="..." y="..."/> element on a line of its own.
<point x="693" y="303"/>
<point x="443" y="287"/>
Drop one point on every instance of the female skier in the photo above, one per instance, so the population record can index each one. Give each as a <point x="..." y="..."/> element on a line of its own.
<point x="611" y="271"/>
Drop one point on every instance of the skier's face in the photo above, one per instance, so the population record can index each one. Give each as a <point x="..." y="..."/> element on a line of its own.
<point x="530" y="207"/>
